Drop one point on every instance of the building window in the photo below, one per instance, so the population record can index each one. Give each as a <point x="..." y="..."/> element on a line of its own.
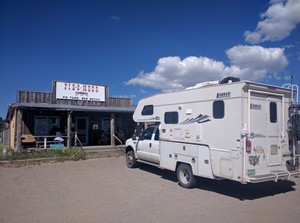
<point x="147" y="110"/>
<point x="171" y="117"/>
<point x="218" y="109"/>
<point x="44" y="124"/>
<point x="273" y="112"/>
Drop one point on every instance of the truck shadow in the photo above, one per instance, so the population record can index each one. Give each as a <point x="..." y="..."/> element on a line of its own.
<point x="228" y="187"/>
<point x="245" y="191"/>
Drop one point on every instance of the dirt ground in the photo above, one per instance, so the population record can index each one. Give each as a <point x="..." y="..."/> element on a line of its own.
<point x="105" y="190"/>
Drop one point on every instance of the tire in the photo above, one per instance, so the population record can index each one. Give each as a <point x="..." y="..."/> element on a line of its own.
<point x="185" y="176"/>
<point x="130" y="159"/>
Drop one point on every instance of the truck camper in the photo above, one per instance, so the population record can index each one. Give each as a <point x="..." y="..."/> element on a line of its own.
<point x="230" y="129"/>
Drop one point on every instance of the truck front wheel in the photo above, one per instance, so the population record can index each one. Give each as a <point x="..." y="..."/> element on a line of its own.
<point x="130" y="159"/>
<point x="185" y="176"/>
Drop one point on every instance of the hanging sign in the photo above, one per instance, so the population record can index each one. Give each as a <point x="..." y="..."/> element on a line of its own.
<point x="82" y="92"/>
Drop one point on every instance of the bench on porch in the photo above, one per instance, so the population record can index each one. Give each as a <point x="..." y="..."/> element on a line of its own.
<point x="48" y="141"/>
<point x="31" y="141"/>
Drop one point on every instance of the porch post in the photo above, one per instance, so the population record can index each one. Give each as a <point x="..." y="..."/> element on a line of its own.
<point x="112" y="129"/>
<point x="69" y="129"/>
<point x="18" y="142"/>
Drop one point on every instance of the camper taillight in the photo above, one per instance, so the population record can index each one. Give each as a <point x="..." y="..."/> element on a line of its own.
<point x="248" y="146"/>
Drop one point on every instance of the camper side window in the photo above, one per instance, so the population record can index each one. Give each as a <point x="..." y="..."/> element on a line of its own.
<point x="273" y="112"/>
<point x="147" y="110"/>
<point x="171" y="117"/>
<point x="218" y="109"/>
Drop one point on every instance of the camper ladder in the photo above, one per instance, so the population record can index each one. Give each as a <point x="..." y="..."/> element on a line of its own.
<point x="294" y="89"/>
<point x="294" y="121"/>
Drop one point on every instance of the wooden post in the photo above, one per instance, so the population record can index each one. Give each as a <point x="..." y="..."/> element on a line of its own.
<point x="45" y="142"/>
<point x="18" y="143"/>
<point x="69" y="129"/>
<point x="112" y="129"/>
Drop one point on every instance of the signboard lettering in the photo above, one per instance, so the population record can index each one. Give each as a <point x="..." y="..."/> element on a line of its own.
<point x="77" y="91"/>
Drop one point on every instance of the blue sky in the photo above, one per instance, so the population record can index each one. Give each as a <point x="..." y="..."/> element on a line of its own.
<point x="139" y="48"/>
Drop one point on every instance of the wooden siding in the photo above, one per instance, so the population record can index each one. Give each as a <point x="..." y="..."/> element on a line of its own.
<point x="33" y="97"/>
<point x="48" y="98"/>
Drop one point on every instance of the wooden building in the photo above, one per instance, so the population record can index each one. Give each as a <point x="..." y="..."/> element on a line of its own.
<point x="79" y="113"/>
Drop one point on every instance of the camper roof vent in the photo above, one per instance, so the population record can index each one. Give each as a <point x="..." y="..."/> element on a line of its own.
<point x="227" y="80"/>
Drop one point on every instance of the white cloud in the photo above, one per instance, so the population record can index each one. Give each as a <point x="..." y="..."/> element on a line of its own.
<point x="174" y="73"/>
<point x="247" y="62"/>
<point x="257" y="59"/>
<point x="277" y="22"/>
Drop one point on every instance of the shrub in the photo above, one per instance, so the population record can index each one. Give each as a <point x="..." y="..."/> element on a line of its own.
<point x="72" y="154"/>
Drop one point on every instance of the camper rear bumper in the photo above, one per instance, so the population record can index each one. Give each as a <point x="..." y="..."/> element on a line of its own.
<point x="272" y="176"/>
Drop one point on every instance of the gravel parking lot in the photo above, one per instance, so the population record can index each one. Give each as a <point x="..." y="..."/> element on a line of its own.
<point x="105" y="190"/>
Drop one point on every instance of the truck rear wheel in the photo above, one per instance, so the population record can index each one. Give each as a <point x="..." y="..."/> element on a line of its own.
<point x="130" y="159"/>
<point x="185" y="176"/>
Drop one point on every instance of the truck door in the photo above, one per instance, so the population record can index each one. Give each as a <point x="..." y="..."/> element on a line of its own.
<point x="145" y="143"/>
<point x="266" y="129"/>
<point x="155" y="147"/>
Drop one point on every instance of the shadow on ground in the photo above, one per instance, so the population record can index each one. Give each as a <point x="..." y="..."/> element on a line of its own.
<point x="228" y="187"/>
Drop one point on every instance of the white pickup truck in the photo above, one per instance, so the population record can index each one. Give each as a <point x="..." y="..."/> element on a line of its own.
<point x="146" y="147"/>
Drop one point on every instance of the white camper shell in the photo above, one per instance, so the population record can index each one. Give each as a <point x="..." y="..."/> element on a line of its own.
<point x="240" y="130"/>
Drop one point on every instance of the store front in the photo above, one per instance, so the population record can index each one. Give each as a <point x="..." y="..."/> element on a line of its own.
<point x="80" y="113"/>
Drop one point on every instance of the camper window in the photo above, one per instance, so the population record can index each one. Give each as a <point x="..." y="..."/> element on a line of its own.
<point x="147" y="110"/>
<point x="171" y="117"/>
<point x="218" y="109"/>
<point x="273" y="112"/>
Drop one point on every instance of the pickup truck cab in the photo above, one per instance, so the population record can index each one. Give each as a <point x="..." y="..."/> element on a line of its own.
<point x="144" y="147"/>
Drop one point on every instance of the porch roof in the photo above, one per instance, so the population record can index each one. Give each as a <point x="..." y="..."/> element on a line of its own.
<point x="64" y="107"/>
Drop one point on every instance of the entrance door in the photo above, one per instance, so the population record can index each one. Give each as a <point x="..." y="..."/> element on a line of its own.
<point x="274" y="130"/>
<point x="266" y="128"/>
<point x="81" y="127"/>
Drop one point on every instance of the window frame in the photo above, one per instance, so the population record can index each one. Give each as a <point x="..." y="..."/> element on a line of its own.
<point x="273" y="112"/>
<point x="147" y="110"/>
<point x="171" y="117"/>
<point x="41" y="129"/>
<point x="217" y="114"/>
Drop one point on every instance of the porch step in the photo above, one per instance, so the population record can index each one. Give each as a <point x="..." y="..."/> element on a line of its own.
<point x="101" y="152"/>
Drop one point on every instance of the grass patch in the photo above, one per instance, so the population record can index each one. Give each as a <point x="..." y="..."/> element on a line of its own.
<point x="71" y="154"/>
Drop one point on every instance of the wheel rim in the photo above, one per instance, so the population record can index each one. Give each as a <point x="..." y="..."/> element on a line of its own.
<point x="129" y="159"/>
<point x="184" y="176"/>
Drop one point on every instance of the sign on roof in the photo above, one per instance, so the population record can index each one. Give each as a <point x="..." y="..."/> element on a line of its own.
<point x="76" y="91"/>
